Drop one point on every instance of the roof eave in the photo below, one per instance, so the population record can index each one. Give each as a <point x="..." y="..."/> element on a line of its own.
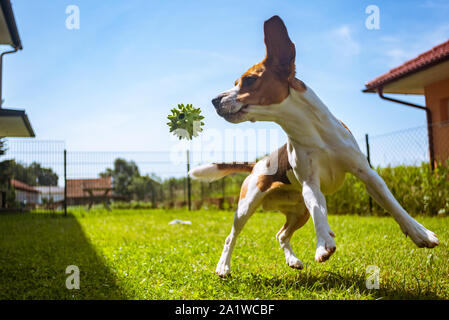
<point x="21" y="114"/>
<point x="11" y="23"/>
<point x="376" y="87"/>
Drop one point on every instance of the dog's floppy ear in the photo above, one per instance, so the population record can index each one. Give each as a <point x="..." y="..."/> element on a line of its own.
<point x="280" y="49"/>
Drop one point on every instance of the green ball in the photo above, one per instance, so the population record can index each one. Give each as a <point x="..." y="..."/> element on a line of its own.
<point x="185" y="121"/>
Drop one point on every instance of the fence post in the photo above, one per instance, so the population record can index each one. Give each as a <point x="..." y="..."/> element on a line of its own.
<point x="65" y="182"/>
<point x="368" y="157"/>
<point x="202" y="191"/>
<point x="189" y="198"/>
<point x="223" y="188"/>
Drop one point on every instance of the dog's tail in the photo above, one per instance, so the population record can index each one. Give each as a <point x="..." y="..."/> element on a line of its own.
<point x="215" y="171"/>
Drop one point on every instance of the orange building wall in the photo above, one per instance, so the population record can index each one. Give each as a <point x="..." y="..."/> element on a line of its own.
<point x="437" y="99"/>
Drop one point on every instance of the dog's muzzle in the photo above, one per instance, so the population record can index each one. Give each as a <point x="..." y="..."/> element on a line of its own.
<point x="216" y="102"/>
<point x="227" y="107"/>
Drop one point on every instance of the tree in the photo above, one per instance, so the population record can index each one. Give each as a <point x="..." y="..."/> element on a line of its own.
<point x="171" y="185"/>
<point x="128" y="183"/>
<point x="34" y="174"/>
<point x="5" y="175"/>
<point x="144" y="188"/>
<point x="44" y="176"/>
<point x="122" y="175"/>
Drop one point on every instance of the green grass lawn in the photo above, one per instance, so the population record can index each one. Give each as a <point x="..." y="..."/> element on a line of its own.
<point x="135" y="254"/>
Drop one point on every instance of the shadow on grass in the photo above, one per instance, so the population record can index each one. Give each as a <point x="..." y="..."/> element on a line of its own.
<point x="35" y="250"/>
<point x="353" y="282"/>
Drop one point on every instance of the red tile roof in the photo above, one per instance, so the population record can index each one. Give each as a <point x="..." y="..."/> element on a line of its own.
<point x="78" y="188"/>
<point x="427" y="59"/>
<point x="18" y="185"/>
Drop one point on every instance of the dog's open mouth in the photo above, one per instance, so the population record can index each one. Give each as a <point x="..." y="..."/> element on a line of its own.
<point x="236" y="116"/>
<point x="244" y="109"/>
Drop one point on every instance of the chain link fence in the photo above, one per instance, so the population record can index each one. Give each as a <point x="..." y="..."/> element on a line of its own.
<point x="406" y="147"/>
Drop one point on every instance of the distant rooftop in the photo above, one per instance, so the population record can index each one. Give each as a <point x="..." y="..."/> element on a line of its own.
<point x="23" y="186"/>
<point x="50" y="189"/>
<point x="79" y="188"/>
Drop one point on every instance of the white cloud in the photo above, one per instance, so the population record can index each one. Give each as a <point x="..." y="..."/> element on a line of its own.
<point x="343" y="41"/>
<point x="396" y="57"/>
<point x="435" y="5"/>
<point x="389" y="39"/>
<point x="399" y="48"/>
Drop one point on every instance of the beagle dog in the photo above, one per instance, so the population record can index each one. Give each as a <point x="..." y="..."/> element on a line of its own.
<point x="320" y="150"/>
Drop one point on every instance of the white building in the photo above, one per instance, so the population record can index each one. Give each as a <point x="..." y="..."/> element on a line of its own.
<point x="50" y="192"/>
<point x="26" y="195"/>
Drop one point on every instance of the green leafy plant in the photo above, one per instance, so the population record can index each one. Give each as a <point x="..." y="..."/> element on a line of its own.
<point x="418" y="189"/>
<point x="185" y="121"/>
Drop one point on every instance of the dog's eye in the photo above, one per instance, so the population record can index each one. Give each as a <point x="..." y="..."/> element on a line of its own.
<point x="248" y="81"/>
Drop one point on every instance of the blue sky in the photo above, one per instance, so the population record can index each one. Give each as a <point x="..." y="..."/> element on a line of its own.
<point x="110" y="84"/>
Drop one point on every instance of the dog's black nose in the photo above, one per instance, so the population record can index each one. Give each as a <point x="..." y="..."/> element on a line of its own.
<point x="216" y="102"/>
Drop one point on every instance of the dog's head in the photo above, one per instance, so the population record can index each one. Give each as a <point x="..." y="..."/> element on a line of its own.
<point x="264" y="84"/>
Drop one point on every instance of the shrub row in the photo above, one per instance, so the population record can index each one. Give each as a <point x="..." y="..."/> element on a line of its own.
<point x="417" y="188"/>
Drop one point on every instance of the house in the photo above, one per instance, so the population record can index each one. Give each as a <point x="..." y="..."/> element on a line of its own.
<point x="26" y="195"/>
<point x="89" y="191"/>
<point x="13" y="123"/>
<point x="428" y="75"/>
<point x="50" y="194"/>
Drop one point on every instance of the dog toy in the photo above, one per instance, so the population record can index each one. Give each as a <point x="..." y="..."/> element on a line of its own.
<point x="185" y="121"/>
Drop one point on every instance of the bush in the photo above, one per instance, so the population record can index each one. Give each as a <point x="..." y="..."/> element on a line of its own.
<point x="418" y="190"/>
<point x="131" y="205"/>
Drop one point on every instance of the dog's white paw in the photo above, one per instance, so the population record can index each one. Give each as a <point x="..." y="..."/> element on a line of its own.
<point x="421" y="236"/>
<point x="325" y="248"/>
<point x="223" y="269"/>
<point x="294" y="263"/>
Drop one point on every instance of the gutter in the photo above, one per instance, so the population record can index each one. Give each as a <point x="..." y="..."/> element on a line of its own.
<point x="1" y="73"/>
<point x="428" y="117"/>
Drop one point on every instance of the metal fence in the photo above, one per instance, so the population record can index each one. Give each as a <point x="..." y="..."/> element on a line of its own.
<point x="408" y="147"/>
<point x="152" y="178"/>
<point x="405" y="147"/>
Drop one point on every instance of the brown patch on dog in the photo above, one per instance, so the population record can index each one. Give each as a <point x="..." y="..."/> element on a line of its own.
<point x="267" y="82"/>
<point x="264" y="182"/>
<point x="298" y="85"/>
<point x="243" y="189"/>
<point x="279" y="178"/>
<point x="282" y="164"/>
<point x="276" y="184"/>
<point x="266" y="90"/>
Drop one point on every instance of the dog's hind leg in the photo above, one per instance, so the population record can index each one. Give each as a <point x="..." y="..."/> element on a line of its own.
<point x="297" y="216"/>
<point x="377" y="188"/>
<point x="250" y="198"/>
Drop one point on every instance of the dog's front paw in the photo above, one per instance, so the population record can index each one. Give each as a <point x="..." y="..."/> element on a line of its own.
<point x="294" y="263"/>
<point x="421" y="236"/>
<point x="325" y="249"/>
<point x="223" y="269"/>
